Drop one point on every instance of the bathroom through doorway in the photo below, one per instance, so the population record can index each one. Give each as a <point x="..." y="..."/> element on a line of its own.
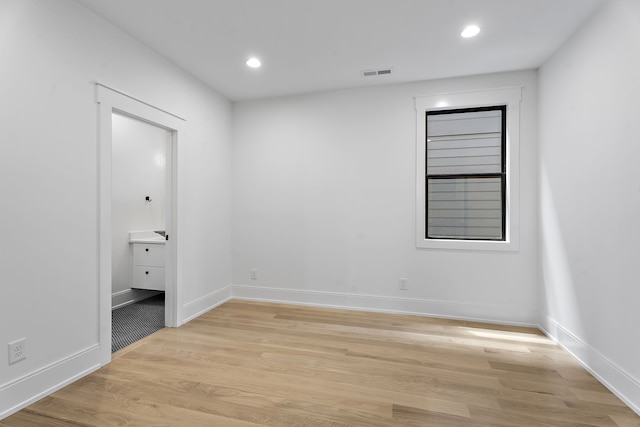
<point x="137" y="258"/>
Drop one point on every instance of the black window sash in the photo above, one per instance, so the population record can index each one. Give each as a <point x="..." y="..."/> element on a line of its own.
<point x="502" y="175"/>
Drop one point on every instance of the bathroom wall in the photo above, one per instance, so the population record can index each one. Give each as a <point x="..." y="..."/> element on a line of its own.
<point x="138" y="171"/>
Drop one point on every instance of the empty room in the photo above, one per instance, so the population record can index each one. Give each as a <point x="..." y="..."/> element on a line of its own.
<point x="351" y="212"/>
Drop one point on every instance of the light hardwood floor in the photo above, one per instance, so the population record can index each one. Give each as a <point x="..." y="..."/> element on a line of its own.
<point x="254" y="364"/>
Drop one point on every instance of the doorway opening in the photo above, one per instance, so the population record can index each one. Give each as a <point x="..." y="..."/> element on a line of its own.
<point x="140" y="204"/>
<point x="139" y="231"/>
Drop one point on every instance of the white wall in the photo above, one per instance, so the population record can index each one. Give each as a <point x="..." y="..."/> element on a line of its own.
<point x="50" y="53"/>
<point x="324" y="207"/>
<point x="137" y="173"/>
<point x="590" y="196"/>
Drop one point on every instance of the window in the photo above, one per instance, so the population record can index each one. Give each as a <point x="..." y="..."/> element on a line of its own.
<point x="465" y="173"/>
<point x="467" y="170"/>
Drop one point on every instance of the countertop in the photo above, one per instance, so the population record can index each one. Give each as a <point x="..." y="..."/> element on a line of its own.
<point x="147" y="237"/>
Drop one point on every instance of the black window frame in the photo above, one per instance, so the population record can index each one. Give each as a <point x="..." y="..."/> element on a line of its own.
<point x="502" y="174"/>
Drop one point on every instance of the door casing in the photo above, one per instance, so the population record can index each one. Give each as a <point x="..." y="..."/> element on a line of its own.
<point x="109" y="101"/>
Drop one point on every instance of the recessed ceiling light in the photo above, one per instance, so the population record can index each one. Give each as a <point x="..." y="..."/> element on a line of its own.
<point x="253" y="63"/>
<point x="470" y="31"/>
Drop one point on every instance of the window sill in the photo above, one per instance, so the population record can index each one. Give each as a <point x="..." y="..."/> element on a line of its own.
<point x="470" y="245"/>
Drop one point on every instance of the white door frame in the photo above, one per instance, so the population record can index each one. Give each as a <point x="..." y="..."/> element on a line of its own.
<point x="109" y="101"/>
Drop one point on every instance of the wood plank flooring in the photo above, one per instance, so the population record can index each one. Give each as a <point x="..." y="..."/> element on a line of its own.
<point x="258" y="364"/>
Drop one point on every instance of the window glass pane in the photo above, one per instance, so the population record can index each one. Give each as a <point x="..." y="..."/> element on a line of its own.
<point x="464" y="143"/>
<point x="473" y="122"/>
<point x="464" y="155"/>
<point x="465" y="208"/>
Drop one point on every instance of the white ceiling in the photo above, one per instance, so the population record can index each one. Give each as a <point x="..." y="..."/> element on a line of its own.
<point x="316" y="45"/>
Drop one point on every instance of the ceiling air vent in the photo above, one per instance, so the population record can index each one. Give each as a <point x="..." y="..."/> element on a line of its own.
<point x="371" y="73"/>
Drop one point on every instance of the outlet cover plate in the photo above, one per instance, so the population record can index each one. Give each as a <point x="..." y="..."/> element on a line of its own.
<point x="17" y="350"/>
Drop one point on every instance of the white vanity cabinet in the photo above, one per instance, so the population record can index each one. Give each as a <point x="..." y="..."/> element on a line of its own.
<point x="148" y="266"/>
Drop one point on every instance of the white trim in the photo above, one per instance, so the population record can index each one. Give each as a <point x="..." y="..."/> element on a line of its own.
<point x="109" y="101"/>
<point x="129" y="296"/>
<point x="24" y="391"/>
<point x="138" y="100"/>
<point x="208" y="302"/>
<point x="487" y="313"/>
<point x="617" y="380"/>
<point x="509" y="96"/>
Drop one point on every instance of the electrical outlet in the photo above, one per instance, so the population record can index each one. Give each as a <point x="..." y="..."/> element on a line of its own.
<point x="402" y="284"/>
<point x="254" y="274"/>
<point x="17" y="350"/>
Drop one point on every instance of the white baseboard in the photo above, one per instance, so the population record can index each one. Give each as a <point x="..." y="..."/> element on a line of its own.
<point x="29" y="388"/>
<point x="501" y="314"/>
<point x="200" y="306"/>
<point x="129" y="296"/>
<point x="616" y="379"/>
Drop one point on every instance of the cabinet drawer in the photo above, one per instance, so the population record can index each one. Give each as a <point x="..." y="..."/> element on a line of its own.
<point x="148" y="254"/>
<point x="145" y="277"/>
